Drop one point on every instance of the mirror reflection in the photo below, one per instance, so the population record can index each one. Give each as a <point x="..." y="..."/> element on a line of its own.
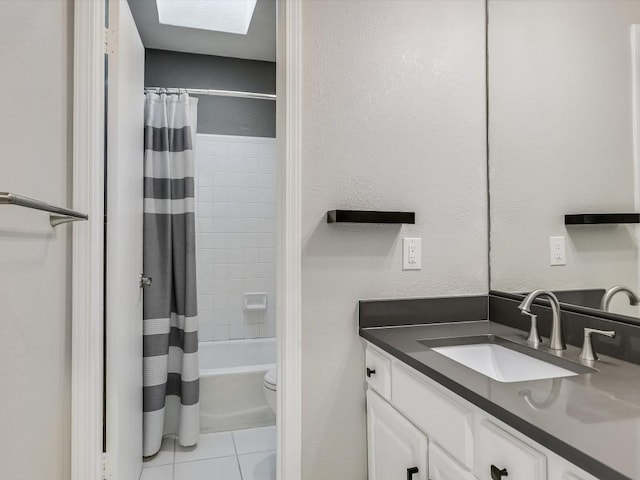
<point x="564" y="90"/>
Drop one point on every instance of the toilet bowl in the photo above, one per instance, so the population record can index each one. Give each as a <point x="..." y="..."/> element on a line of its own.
<point x="269" y="387"/>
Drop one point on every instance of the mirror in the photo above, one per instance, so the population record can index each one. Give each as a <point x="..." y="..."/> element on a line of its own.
<point x="562" y="140"/>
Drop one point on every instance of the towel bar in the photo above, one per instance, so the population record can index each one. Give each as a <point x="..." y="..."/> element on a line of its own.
<point x="57" y="215"/>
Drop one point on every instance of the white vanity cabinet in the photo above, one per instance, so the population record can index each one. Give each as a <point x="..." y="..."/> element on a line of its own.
<point x="397" y="449"/>
<point x="413" y="422"/>
<point x="378" y="371"/>
<point x="501" y="451"/>
<point x="443" y="467"/>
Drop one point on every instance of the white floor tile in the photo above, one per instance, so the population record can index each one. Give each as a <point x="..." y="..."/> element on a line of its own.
<point x="210" y="445"/>
<point x="254" y="440"/>
<point x="215" y="469"/>
<point x="163" y="457"/>
<point x="258" y="466"/>
<point x="164" y="472"/>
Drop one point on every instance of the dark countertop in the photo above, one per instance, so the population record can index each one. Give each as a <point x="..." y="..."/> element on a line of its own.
<point x="591" y="419"/>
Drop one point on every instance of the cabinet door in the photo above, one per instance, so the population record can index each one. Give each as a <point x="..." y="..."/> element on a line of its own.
<point x="395" y="447"/>
<point x="500" y="451"/>
<point x="443" y="467"/>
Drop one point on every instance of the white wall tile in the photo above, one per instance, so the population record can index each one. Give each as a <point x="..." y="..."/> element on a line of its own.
<point x="237" y="194"/>
<point x="251" y="317"/>
<point x="268" y="195"/>
<point x="252" y="195"/>
<point x="221" y="194"/>
<point x="221" y="332"/>
<point x="252" y="330"/>
<point x="252" y="210"/>
<point x="268" y="180"/>
<point x="252" y="240"/>
<point x="253" y="150"/>
<point x="267" y="255"/>
<point x="235" y="213"/>
<point x="236" y="271"/>
<point x="267" y="330"/>
<point x="252" y="180"/>
<point x="267" y="165"/>
<point x="237" y="331"/>
<point x="252" y="255"/>
<point x="252" y="165"/>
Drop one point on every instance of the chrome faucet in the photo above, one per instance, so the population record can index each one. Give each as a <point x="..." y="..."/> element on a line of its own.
<point x="556" y="341"/>
<point x="606" y="300"/>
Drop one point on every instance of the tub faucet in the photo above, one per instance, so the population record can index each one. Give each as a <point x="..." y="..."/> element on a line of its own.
<point x="556" y="341"/>
<point x="606" y="300"/>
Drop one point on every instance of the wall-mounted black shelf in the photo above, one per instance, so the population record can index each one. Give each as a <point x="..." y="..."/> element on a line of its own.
<point x="369" y="216"/>
<point x="601" y="218"/>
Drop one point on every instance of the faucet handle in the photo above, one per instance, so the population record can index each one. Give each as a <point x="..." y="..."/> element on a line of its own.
<point x="587" y="353"/>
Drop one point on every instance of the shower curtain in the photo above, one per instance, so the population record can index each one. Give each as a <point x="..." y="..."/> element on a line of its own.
<point x="171" y="376"/>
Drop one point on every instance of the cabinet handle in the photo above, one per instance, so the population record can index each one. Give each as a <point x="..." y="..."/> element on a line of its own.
<point x="370" y="372"/>
<point x="411" y="472"/>
<point x="497" y="474"/>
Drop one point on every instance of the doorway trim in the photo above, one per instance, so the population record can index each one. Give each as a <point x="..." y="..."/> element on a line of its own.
<point x="87" y="459"/>
<point x="289" y="241"/>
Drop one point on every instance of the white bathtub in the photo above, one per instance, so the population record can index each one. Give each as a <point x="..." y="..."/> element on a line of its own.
<point x="231" y="378"/>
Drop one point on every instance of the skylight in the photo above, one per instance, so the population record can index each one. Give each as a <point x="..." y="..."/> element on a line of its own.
<point x="231" y="16"/>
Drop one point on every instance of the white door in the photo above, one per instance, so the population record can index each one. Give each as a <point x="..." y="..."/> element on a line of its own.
<point x="397" y="450"/>
<point x="443" y="467"/>
<point x="125" y="130"/>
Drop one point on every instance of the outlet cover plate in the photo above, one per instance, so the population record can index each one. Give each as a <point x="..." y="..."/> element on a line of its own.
<point x="412" y="254"/>
<point x="557" y="251"/>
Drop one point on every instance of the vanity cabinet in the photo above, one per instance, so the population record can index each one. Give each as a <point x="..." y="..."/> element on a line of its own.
<point x="443" y="467"/>
<point x="414" y="422"/>
<point x="397" y="449"/>
<point x="499" y="451"/>
<point x="378" y="371"/>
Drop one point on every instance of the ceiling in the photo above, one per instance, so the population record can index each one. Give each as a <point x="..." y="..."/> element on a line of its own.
<point x="258" y="44"/>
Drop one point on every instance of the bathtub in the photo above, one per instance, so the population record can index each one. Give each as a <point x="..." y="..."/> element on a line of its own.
<point x="231" y="378"/>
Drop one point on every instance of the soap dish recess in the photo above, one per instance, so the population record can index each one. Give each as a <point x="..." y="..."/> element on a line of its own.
<point x="255" y="301"/>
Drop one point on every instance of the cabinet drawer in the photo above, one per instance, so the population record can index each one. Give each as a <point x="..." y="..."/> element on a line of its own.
<point x="502" y="450"/>
<point x="437" y="414"/>
<point x="378" y="371"/>
<point x="442" y="467"/>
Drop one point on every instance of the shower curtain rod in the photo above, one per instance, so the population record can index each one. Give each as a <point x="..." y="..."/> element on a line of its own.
<point x="217" y="93"/>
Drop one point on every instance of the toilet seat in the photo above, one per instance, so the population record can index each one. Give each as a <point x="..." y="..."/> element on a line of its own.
<point x="270" y="385"/>
<point x="270" y="380"/>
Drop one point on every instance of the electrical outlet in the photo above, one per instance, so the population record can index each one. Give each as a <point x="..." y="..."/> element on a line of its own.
<point x="557" y="251"/>
<point x="412" y="254"/>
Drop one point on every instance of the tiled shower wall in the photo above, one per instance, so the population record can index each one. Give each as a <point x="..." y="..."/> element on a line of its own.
<point x="235" y="234"/>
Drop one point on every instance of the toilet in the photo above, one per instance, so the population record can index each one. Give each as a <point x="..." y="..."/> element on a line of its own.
<point x="269" y="387"/>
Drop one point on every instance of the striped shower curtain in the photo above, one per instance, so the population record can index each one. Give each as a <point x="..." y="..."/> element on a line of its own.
<point x="171" y="378"/>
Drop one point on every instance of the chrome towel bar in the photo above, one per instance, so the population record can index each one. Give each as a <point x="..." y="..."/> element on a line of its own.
<point x="57" y="215"/>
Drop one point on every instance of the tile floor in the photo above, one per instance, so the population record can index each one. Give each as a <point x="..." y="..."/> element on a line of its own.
<point x="239" y="455"/>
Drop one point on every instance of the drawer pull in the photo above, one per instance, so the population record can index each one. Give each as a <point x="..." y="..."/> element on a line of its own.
<point x="497" y="474"/>
<point x="411" y="472"/>
<point x="370" y="372"/>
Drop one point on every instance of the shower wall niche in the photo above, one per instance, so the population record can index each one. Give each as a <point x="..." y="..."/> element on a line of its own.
<point x="235" y="235"/>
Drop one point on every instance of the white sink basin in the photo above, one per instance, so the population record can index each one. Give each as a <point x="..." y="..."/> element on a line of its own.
<point x="502" y="364"/>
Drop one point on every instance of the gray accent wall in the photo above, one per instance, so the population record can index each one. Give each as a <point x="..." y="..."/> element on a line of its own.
<point x="219" y="115"/>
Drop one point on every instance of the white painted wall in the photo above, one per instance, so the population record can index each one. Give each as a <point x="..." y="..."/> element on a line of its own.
<point x="393" y="119"/>
<point x="561" y="141"/>
<point x="236" y="239"/>
<point x="35" y="356"/>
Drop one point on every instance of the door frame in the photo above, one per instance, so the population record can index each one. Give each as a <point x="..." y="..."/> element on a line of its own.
<point x="90" y="46"/>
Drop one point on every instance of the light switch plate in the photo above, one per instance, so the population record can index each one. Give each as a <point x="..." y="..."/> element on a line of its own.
<point x="412" y="254"/>
<point x="557" y="251"/>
